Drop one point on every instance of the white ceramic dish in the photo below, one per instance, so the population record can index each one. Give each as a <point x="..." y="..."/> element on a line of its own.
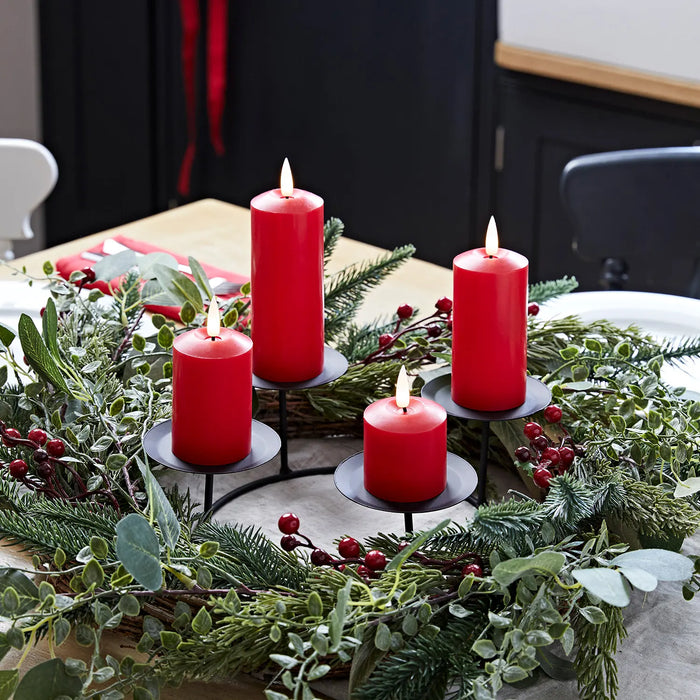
<point x="660" y="315"/>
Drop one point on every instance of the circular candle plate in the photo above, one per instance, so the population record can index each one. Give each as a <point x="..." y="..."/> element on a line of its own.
<point x="265" y="444"/>
<point x="334" y="365"/>
<point x="537" y="396"/>
<point x="349" y="479"/>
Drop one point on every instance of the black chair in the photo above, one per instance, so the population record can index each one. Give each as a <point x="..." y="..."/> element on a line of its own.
<point x="638" y="207"/>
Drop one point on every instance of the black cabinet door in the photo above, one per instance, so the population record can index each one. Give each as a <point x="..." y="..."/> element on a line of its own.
<point x="99" y="64"/>
<point x="545" y="124"/>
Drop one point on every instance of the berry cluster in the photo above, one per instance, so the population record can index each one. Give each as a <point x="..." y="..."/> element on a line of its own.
<point x="397" y="345"/>
<point x="547" y="458"/>
<point x="374" y="561"/>
<point x="349" y="549"/>
<point x="50" y="475"/>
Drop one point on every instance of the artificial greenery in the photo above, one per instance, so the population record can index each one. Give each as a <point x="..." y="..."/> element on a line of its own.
<point x="533" y="584"/>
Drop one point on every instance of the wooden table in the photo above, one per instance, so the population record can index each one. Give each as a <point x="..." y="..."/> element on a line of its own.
<point x="218" y="233"/>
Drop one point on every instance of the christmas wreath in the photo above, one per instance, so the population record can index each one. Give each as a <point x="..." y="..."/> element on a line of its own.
<point x="533" y="583"/>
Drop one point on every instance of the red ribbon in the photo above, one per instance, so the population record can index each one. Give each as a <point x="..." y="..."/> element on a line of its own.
<point x="217" y="40"/>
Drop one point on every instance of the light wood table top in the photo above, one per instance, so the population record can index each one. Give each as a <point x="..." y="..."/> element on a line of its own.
<point x="218" y="233"/>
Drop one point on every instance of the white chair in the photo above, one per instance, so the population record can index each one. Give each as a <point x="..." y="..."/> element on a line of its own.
<point x="28" y="173"/>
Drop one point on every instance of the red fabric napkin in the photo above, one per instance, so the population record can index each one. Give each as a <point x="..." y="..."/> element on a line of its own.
<point x="74" y="262"/>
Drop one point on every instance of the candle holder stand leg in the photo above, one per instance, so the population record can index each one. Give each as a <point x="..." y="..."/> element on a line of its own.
<point x="537" y="396"/>
<point x="334" y="366"/>
<point x="461" y="481"/>
<point x="208" y="491"/>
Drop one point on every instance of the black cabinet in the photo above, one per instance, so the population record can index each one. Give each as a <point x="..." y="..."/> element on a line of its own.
<point x="544" y="124"/>
<point x="384" y="109"/>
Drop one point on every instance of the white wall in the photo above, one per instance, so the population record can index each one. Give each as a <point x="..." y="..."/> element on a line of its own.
<point x="655" y="36"/>
<point x="20" y="105"/>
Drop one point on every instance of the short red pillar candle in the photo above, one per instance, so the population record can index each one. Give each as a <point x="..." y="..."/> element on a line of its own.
<point x="405" y="448"/>
<point x="287" y="283"/>
<point x="489" y="327"/>
<point x="212" y="395"/>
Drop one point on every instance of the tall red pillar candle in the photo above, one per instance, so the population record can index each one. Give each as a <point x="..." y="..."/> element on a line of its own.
<point x="212" y="395"/>
<point x="489" y="327"/>
<point x="287" y="283"/>
<point x="405" y="448"/>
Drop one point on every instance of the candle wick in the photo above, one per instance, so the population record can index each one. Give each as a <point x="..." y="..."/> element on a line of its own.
<point x="491" y="257"/>
<point x="405" y="410"/>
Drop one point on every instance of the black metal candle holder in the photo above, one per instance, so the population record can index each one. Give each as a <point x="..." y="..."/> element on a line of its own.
<point x="461" y="482"/>
<point x="334" y="365"/>
<point x="537" y="396"/>
<point x="265" y="444"/>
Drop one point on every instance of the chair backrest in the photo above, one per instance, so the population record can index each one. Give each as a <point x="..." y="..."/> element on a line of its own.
<point x="28" y="173"/>
<point x="631" y="204"/>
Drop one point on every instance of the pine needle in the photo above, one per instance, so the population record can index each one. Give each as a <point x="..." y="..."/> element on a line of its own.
<point x="551" y="289"/>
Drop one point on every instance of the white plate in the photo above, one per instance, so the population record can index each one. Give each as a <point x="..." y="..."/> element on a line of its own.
<point x="660" y="315"/>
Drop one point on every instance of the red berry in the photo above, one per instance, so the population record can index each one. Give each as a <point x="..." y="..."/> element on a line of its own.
<point x="474" y="569"/>
<point x="89" y="274"/>
<point x="41" y="311"/>
<point x="45" y="470"/>
<point x="402" y="545"/>
<point x="522" y="454"/>
<point x="566" y="457"/>
<point x="288" y="523"/>
<point x="542" y="477"/>
<point x="319" y="557"/>
<point x="56" y="447"/>
<point x="340" y="567"/>
<point x="40" y="455"/>
<point x="532" y="430"/>
<point x="444" y="304"/>
<point x="449" y="324"/>
<point x="533" y="309"/>
<point x="349" y="548"/>
<point x="552" y="454"/>
<point x="10" y="437"/>
<point x="375" y="560"/>
<point x="18" y="468"/>
<point x="540" y="443"/>
<point x="37" y="435"/>
<point x="404" y="311"/>
<point x="552" y="414"/>
<point x="434" y="331"/>
<point x="363" y="571"/>
<point x="289" y="542"/>
<point x="385" y="339"/>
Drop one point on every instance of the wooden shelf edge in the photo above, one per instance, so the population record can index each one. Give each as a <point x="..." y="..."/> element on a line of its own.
<point x="600" y="75"/>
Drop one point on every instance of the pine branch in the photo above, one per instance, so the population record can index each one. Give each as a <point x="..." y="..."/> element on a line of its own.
<point x="596" y="668"/>
<point x="508" y="522"/>
<point x="676" y="351"/>
<point x="345" y="290"/>
<point x="248" y="556"/>
<point x="40" y="525"/>
<point x="424" y="668"/>
<point x="544" y="291"/>
<point x="356" y="342"/>
<point x="333" y="229"/>
<point x="568" y="502"/>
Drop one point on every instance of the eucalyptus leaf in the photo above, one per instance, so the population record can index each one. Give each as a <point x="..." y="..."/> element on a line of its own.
<point x="660" y="563"/>
<point x="687" y="487"/>
<point x="606" y="584"/>
<point x="25" y="589"/>
<point x="49" y="327"/>
<point x="639" y="578"/>
<point x="138" y="550"/>
<point x="48" y="681"/>
<point x="401" y="557"/>
<point x="554" y="666"/>
<point x="113" y="266"/>
<point x="147" y="262"/>
<point x="512" y="569"/>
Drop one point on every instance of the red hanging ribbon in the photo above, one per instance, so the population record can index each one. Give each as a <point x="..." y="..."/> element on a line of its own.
<point x="217" y="40"/>
<point x="217" y="24"/>
<point x="189" y="12"/>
